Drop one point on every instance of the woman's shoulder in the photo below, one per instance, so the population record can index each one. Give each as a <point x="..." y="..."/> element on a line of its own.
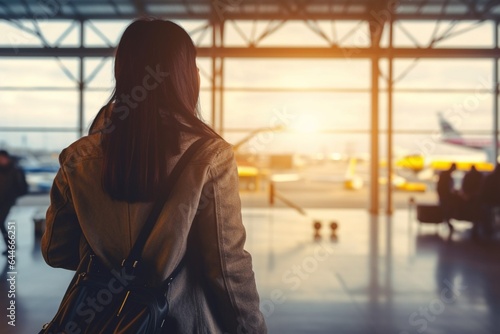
<point x="87" y="147"/>
<point x="211" y="149"/>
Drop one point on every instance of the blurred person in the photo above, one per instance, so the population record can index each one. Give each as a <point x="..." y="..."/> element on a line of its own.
<point x="490" y="198"/>
<point x="109" y="178"/>
<point x="447" y="194"/>
<point x="469" y="204"/>
<point x="471" y="183"/>
<point x="12" y="185"/>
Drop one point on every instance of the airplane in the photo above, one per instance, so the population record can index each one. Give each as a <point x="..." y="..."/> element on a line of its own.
<point x="450" y="135"/>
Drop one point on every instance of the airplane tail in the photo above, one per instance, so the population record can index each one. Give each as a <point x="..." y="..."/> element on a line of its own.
<point x="447" y="130"/>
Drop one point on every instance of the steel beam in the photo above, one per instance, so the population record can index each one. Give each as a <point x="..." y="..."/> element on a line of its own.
<point x="36" y="129"/>
<point x="272" y="52"/>
<point x="251" y="16"/>
<point x="20" y="52"/>
<point x="346" y="53"/>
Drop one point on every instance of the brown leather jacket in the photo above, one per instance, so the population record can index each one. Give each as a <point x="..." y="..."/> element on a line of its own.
<point x="215" y="292"/>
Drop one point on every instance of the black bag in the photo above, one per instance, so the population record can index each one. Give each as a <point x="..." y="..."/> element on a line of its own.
<point x="100" y="300"/>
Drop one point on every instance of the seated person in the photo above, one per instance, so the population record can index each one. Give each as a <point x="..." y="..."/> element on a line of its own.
<point x="490" y="198"/>
<point x="447" y="194"/>
<point x="469" y="203"/>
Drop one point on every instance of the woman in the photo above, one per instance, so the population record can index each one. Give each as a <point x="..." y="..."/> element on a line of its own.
<point x="109" y="179"/>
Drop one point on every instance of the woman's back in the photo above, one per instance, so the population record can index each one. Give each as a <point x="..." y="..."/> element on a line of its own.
<point x="109" y="179"/>
<point x="111" y="226"/>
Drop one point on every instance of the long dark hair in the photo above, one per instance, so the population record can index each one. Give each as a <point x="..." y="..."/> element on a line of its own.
<point x="155" y="100"/>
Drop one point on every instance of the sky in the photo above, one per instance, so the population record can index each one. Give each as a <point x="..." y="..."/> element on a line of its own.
<point x="319" y="122"/>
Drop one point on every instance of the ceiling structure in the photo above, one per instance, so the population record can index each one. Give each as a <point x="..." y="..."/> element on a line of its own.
<point x="217" y="12"/>
<point x="250" y="9"/>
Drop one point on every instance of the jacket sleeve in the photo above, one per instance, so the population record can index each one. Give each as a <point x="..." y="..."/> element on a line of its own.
<point x="221" y="236"/>
<point x="60" y="242"/>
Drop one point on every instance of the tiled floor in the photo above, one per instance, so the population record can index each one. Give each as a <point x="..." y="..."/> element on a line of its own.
<point x="354" y="283"/>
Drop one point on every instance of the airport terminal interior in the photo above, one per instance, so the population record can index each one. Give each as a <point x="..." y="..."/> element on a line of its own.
<point x="343" y="115"/>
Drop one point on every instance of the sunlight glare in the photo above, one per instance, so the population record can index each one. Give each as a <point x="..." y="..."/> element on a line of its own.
<point x="305" y="124"/>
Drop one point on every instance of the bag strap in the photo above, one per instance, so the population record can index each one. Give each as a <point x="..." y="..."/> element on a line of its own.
<point x="135" y="254"/>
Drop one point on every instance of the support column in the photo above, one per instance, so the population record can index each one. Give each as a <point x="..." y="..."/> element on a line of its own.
<point x="213" y="93"/>
<point x="221" y="97"/>
<point x="374" y="187"/>
<point x="375" y="29"/>
<point x="81" y="82"/>
<point x="495" y="98"/>
<point x="221" y="81"/>
<point x="375" y="35"/>
<point x="214" y="77"/>
<point x="81" y="87"/>
<point x="374" y="137"/>
<point x="390" y="204"/>
<point x="217" y="116"/>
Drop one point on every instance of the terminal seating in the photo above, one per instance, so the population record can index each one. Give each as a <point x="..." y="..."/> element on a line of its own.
<point x="432" y="213"/>
<point x="472" y="211"/>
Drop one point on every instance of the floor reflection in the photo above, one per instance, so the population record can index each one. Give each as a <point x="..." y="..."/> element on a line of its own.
<point x="375" y="275"/>
<point x="470" y="269"/>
